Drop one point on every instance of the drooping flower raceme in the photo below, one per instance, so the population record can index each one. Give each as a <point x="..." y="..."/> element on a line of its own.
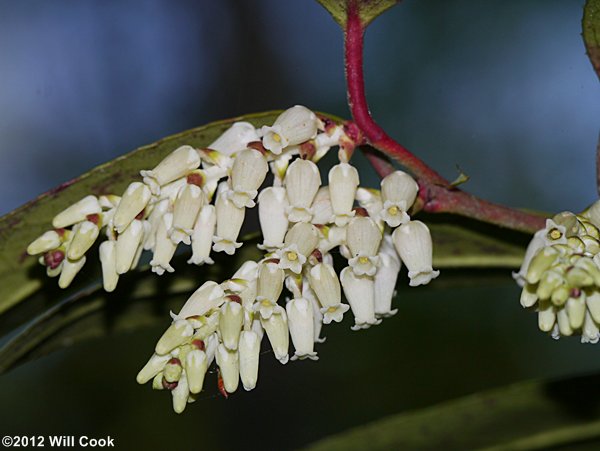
<point x="560" y="275"/>
<point x="199" y="199"/>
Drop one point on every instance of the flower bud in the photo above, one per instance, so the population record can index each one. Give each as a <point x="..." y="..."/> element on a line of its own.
<point x="164" y="249"/>
<point x="294" y="126"/>
<point x="46" y="242"/>
<point x="196" y="365"/>
<point x="178" y="333"/>
<point x="276" y="327"/>
<point x="302" y="182"/>
<point x="413" y="243"/>
<point x="385" y="281"/>
<point x="229" y="222"/>
<point x="134" y="200"/>
<point x="127" y="245"/>
<point x="229" y="364"/>
<point x="249" y="349"/>
<point x="69" y="270"/>
<point x="546" y="316"/>
<point x="159" y="209"/>
<point x="235" y="138"/>
<point x="154" y="366"/>
<point x="108" y="260"/>
<point x="272" y="205"/>
<point x="540" y="263"/>
<point x="180" y="395"/>
<point x="176" y="165"/>
<point x="209" y="296"/>
<point x="84" y="236"/>
<point x="343" y="182"/>
<point x="230" y="324"/>
<point x="77" y="212"/>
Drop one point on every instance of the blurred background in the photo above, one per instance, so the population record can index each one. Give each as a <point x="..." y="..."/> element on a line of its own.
<point x="501" y="89"/>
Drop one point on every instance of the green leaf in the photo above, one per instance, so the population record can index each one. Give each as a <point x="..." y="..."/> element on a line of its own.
<point x="368" y="10"/>
<point x="20" y="274"/>
<point x="524" y="416"/>
<point x="591" y="32"/>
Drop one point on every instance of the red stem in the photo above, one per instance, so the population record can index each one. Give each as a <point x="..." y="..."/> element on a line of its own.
<point x="436" y="194"/>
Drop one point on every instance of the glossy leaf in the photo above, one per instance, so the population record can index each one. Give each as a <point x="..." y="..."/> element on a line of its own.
<point x="529" y="415"/>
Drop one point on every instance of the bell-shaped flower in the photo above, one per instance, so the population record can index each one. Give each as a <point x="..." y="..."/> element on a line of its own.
<point x="196" y="365"/>
<point x="127" y="245"/>
<point x="190" y="200"/>
<point x="134" y="200"/>
<point x="249" y="350"/>
<point x="308" y="293"/>
<point x="272" y="214"/>
<point x="46" y="242"/>
<point x="247" y="174"/>
<point x="370" y="200"/>
<point x="176" y="165"/>
<point x="326" y="285"/>
<point x="84" y="236"/>
<point x="363" y="238"/>
<point x="385" y="279"/>
<point x="202" y="236"/>
<point x="321" y="208"/>
<point x="360" y="292"/>
<point x="343" y="182"/>
<point x="77" y="212"/>
<point x="179" y="332"/>
<point x="229" y="222"/>
<point x="299" y="243"/>
<point x="229" y="364"/>
<point x="276" y="327"/>
<point x="413" y="243"/>
<point x="268" y="289"/>
<point x="398" y="193"/>
<point x="294" y="126"/>
<point x="230" y="324"/>
<point x="164" y="248"/>
<point x="69" y="270"/>
<point x="301" y="325"/>
<point x="302" y="181"/>
<point x="235" y="138"/>
<point x="108" y="260"/>
<point x="159" y="209"/>
<point x="209" y="296"/>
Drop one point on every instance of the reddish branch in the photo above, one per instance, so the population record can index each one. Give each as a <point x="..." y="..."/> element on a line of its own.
<point x="436" y="194"/>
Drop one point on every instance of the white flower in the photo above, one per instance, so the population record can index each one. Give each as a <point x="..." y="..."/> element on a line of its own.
<point x="301" y="325"/>
<point x="536" y="243"/>
<point x="179" y="332"/>
<point x="247" y="174"/>
<point x="229" y="222"/>
<point x="299" y="243"/>
<point x="69" y="270"/>
<point x="363" y="238"/>
<point x="196" y="365"/>
<point x="385" y="280"/>
<point x="230" y="324"/>
<point x="46" y="242"/>
<point x="333" y="236"/>
<point x="180" y="395"/>
<point x="84" y="236"/>
<point x="249" y="349"/>
<point x="291" y="258"/>
<point x="590" y="333"/>
<point x="159" y="209"/>
<point x="190" y="200"/>
<point x="268" y="289"/>
<point x="209" y="296"/>
<point x="370" y="200"/>
<point x="202" y="236"/>
<point x="302" y="181"/>
<point x="77" y="212"/>
<point x="108" y="259"/>
<point x="324" y="282"/>
<point x="272" y="204"/>
<point x="229" y="364"/>
<point x="294" y="126"/>
<point x="398" y="192"/>
<point x="308" y="293"/>
<point x="413" y="243"/>
<point x="134" y="200"/>
<point x="127" y="245"/>
<point x="343" y="182"/>
<point x="276" y="327"/>
<point x="360" y="293"/>
<point x="176" y="165"/>
<point x="235" y="138"/>
<point x="164" y="249"/>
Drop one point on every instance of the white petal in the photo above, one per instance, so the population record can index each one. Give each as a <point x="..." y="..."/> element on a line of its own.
<point x="343" y="182"/>
<point x="202" y="236"/>
<point x="209" y="296"/>
<point x="277" y="330"/>
<point x="235" y="138"/>
<point x="77" y="212"/>
<point x="363" y="237"/>
<point x="176" y="165"/>
<point x="249" y="349"/>
<point x="272" y="204"/>
<point x="413" y="243"/>
<point x="108" y="259"/>
<point x="134" y="200"/>
<point x="84" y="236"/>
<point x="127" y="245"/>
<point x="301" y="325"/>
<point x="70" y="268"/>
<point x="361" y="295"/>
<point x="46" y="242"/>
<point x="230" y="324"/>
<point x="164" y="249"/>
<point x="190" y="200"/>
<point x="229" y="364"/>
<point x="302" y="181"/>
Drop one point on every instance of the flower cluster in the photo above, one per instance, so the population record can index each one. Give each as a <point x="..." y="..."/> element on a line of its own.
<point x="199" y="198"/>
<point x="560" y="275"/>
